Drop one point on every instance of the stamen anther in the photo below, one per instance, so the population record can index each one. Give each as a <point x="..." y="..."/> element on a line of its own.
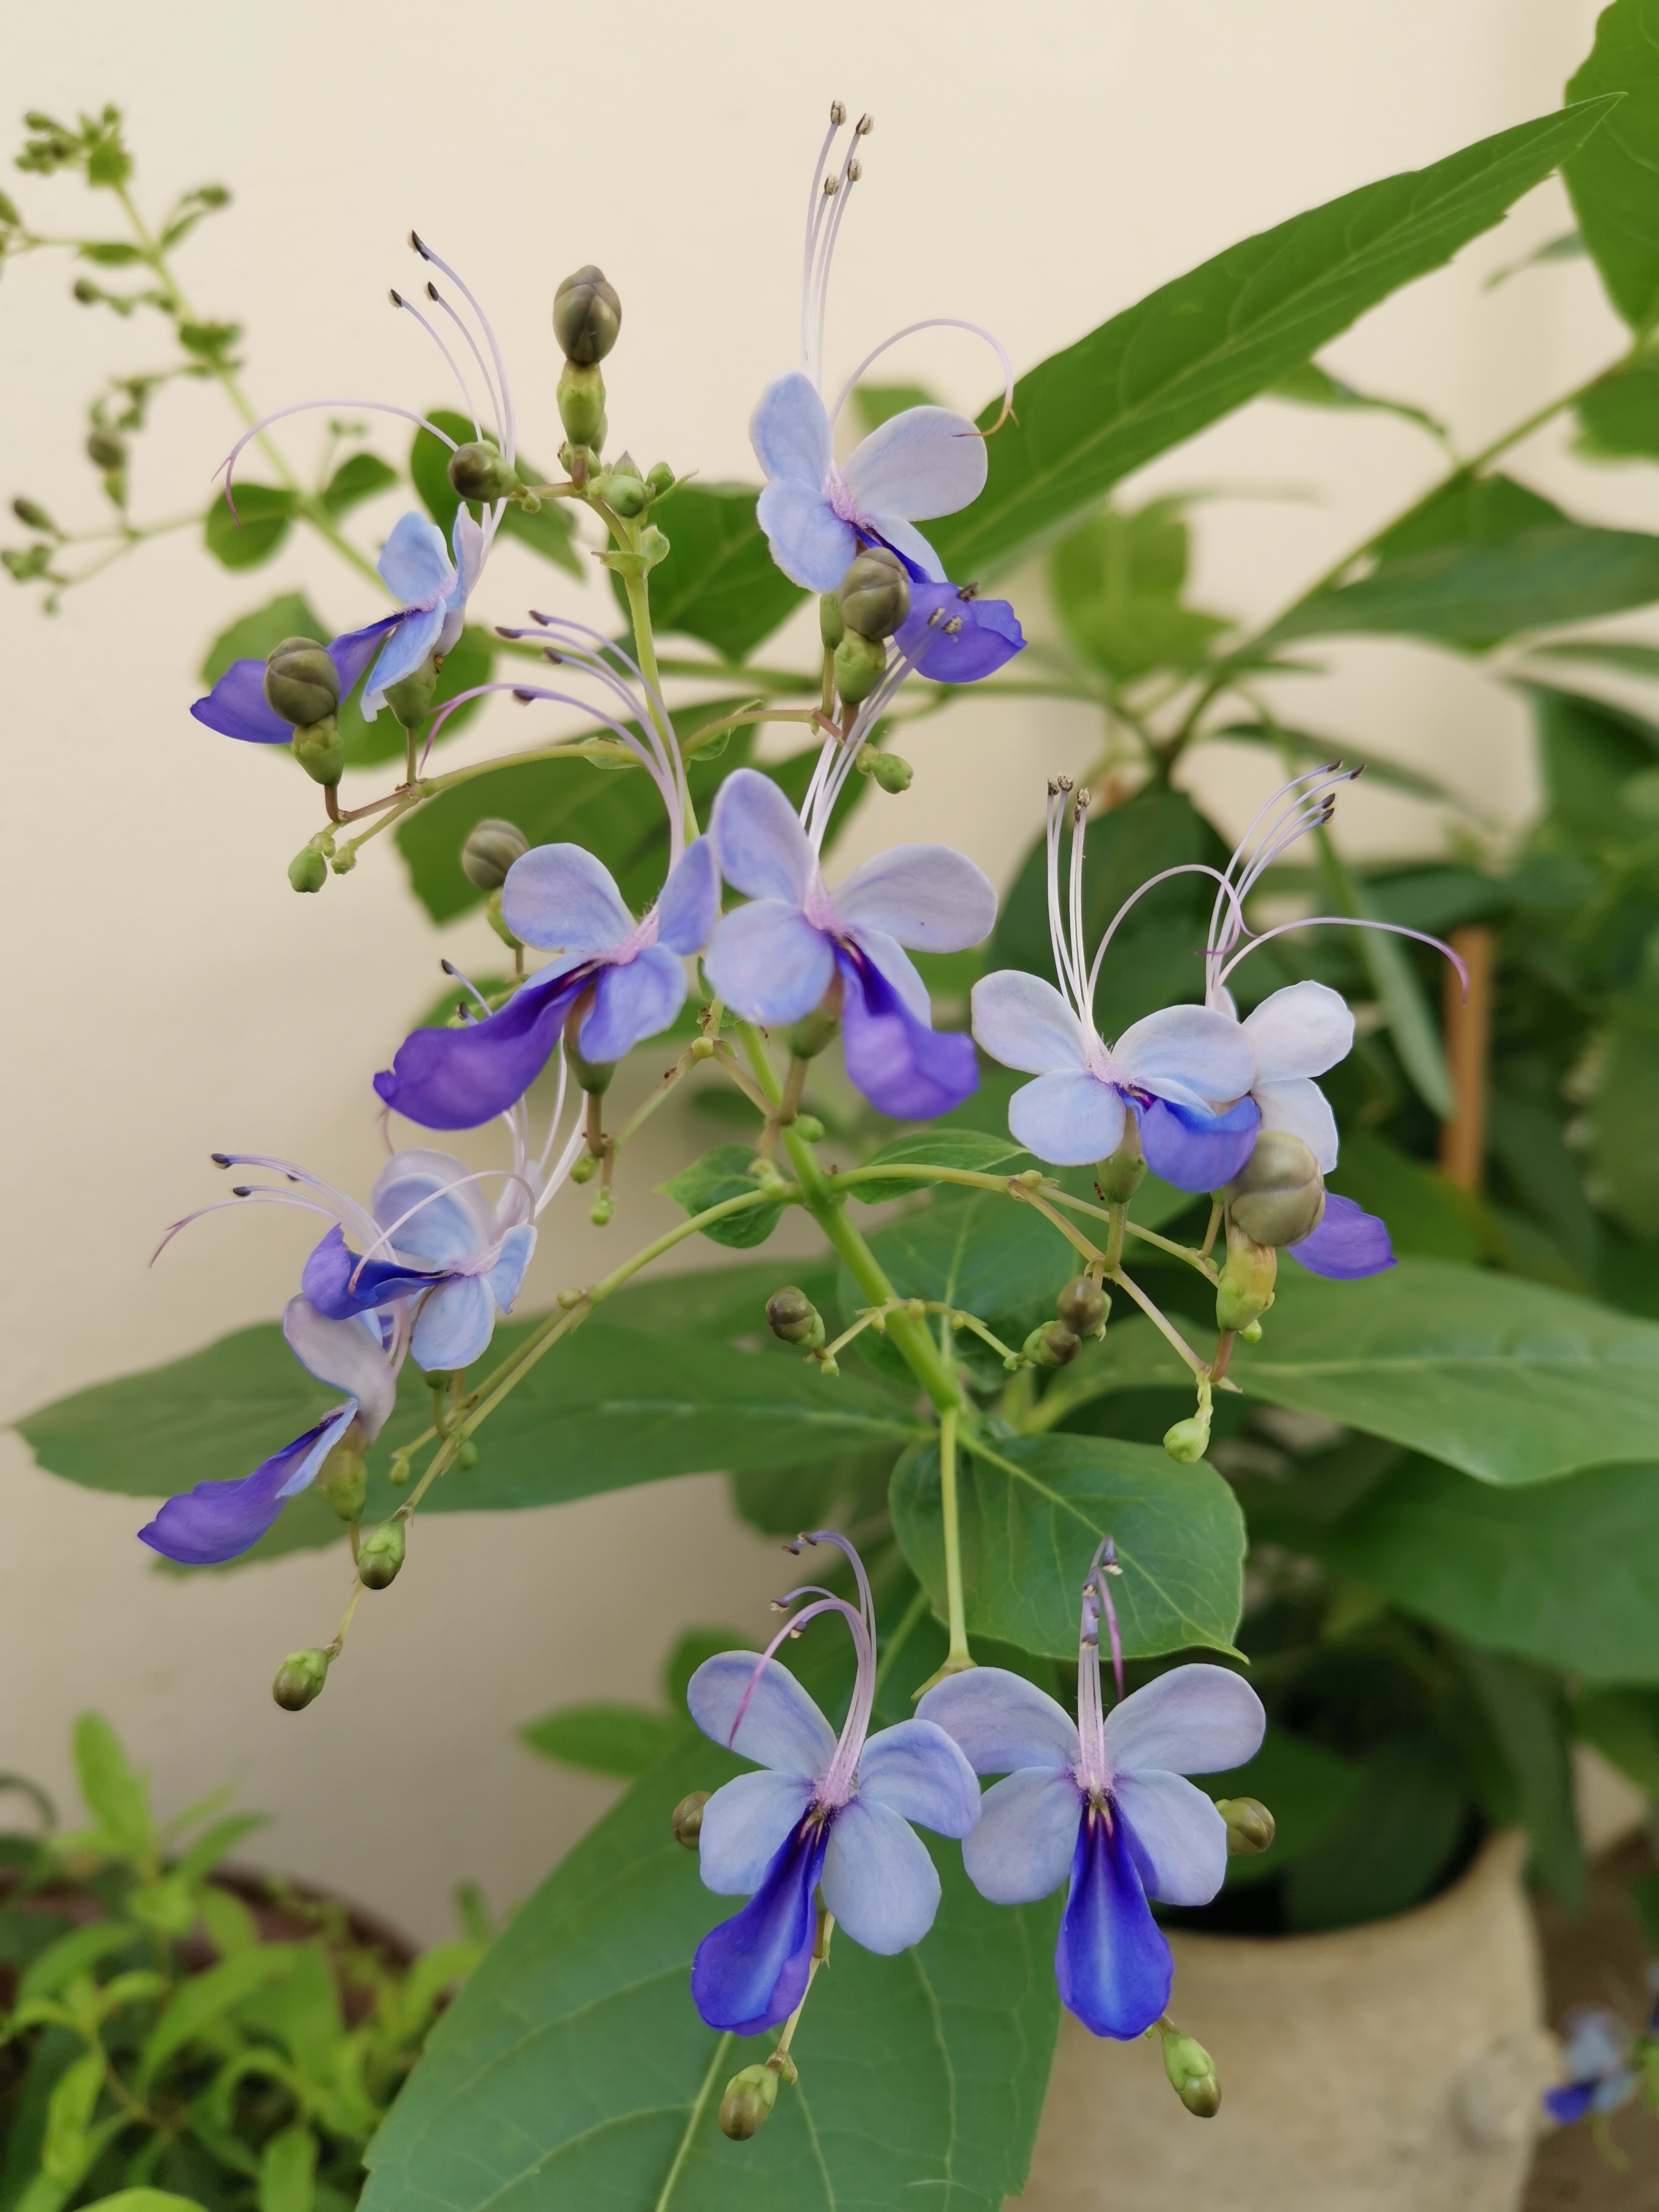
<point x="864" y="126"/>
<point x="220" y="1159"/>
<point x="837" y="113"/>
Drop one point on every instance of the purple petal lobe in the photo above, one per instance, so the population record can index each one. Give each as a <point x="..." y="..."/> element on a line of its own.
<point x="352" y="652"/>
<point x="237" y="707"/>
<point x="1196" y="1719"/>
<point x="218" y="1520"/>
<point x="781" y="1726"/>
<point x="985" y="635"/>
<point x="745" y="1824"/>
<point x="1002" y="1722"/>
<point x="340" y="1284"/>
<point x="1570" y="2102"/>
<point x="789" y="430"/>
<point x="563" y="899"/>
<point x="1180" y="1837"/>
<point x="1027" y="1834"/>
<point x="926" y="895"/>
<point x="1193" y="1150"/>
<point x="507" y="1275"/>
<point x="750" y="1972"/>
<point x="758" y="841"/>
<point x="1113" y="1965"/>
<point x="1348" y="1243"/>
<point x="917" y="1770"/>
<point x="902" y="1067"/>
<point x="406" y="647"/>
<point x="633" y="1002"/>
<point x="457" y="1079"/>
<point x="767" y="962"/>
<point x="690" y="899"/>
<point x="877" y="1878"/>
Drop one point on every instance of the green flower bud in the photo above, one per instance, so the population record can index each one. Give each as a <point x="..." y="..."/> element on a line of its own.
<point x="891" y="773"/>
<point x="380" y="1554"/>
<point x="1251" y="1332"/>
<point x="623" y="495"/>
<point x="585" y="1168"/>
<point x="582" y="407"/>
<point x="593" y="1076"/>
<point x="603" y="1206"/>
<point x="1118" y="1178"/>
<point x="875" y="593"/>
<point x="308" y="871"/>
<point x="1083" y="1306"/>
<point x="809" y="1127"/>
<point x="320" y="752"/>
<point x="302" y="685"/>
<point x="1187" y="1440"/>
<point x="1245" y="1290"/>
<point x="860" y="663"/>
<point x="466" y="1455"/>
<point x="1250" y="1825"/>
<point x="478" y="471"/>
<point x="586" y="316"/>
<point x="106" y="449"/>
<point x="299" y="1679"/>
<point x="497" y="921"/>
<point x="812" y="1034"/>
<point x="410" y="700"/>
<point x="687" y="1818"/>
<point x="792" y="1316"/>
<point x="832" y="624"/>
<point x="33" y="515"/>
<point x="490" y="849"/>
<point x="749" y="2097"/>
<point x="1053" y="1345"/>
<point x="660" y="478"/>
<point x="344" y="1476"/>
<point x="1192" y="2074"/>
<point x="1279" y="1195"/>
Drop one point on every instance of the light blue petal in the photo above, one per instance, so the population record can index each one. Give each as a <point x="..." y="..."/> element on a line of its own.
<point x="508" y="1273"/>
<point x="402" y="653"/>
<point x="1024" y="1022"/>
<point x="1022" y="1848"/>
<point x="810" y="541"/>
<point x="917" y="1770"/>
<point x="758" y="841"/>
<point x="562" y="899"/>
<point x="1067" y="1120"/>
<point x="924" y="461"/>
<point x="767" y="962"/>
<point x="789" y="430"/>
<point x="745" y="1824"/>
<point x="632" y="1002"/>
<point x="1182" y="1838"/>
<point x="926" y="895"/>
<point x="781" y="1726"/>
<point x="1296" y="1105"/>
<point x="1192" y="1055"/>
<point x="470" y="545"/>
<point x="1196" y="1719"/>
<point x="346" y="1355"/>
<point x="453" y="1325"/>
<point x="907" y="542"/>
<point x="414" y="564"/>
<point x="442" y="1217"/>
<point x="1002" y="1722"/>
<point x="878" y="1879"/>
<point x="690" y="899"/>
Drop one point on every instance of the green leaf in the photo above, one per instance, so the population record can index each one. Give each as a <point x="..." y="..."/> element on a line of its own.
<point x="1311" y="386"/>
<point x="1388" y="1849"/>
<point x="1618" y="416"/>
<point x="875" y="403"/>
<point x="146" y="2200"/>
<point x="1033" y="1510"/>
<point x="59" y="1964"/>
<point x="68" y="2148"/>
<point x="1410" y="1017"/>
<point x="1425" y="1212"/>
<point x="548" y="531"/>
<point x="725" y="1172"/>
<point x="1629" y="658"/>
<point x="288" y="2172"/>
<point x="1622" y="1119"/>
<point x="1610" y="179"/>
<point x="1526" y="1713"/>
<point x="1308" y="751"/>
<point x="211" y="1846"/>
<point x="1512" y="1570"/>
<point x="1468" y="511"/>
<point x="259" y="526"/>
<point x="972" y="1149"/>
<point x="199" y="2004"/>
<point x="1117" y="583"/>
<point x="1623" y="1724"/>
<point x="1509" y="1381"/>
<point x="602" y="1738"/>
<point x="720" y="582"/>
<point x="688" y="1654"/>
<point x="117" y="1796"/>
<point x="254" y="636"/>
<point x="1198" y="348"/>
<point x="573" y="2069"/>
<point x="1588" y="752"/>
<point x="356" y="479"/>
<point x="1305" y="1787"/>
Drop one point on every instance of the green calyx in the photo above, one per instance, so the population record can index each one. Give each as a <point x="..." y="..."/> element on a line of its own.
<point x="410" y="700"/>
<point x="299" y="1678"/>
<point x="749" y="2099"/>
<point x="832" y="624"/>
<point x="478" y="471"/>
<point x="1278" y="1197"/>
<point x="813" y="1033"/>
<point x="581" y="406"/>
<point x="1118" y="1178"/>
<point x="1187" y="1440"/>
<point x="1192" y="2074"/>
<point x="343" y="1479"/>
<point x="859" y="662"/>
<point x="308" y="871"/>
<point x="320" y="752"/>
<point x="380" y="1554"/>
<point x="1245" y="1290"/>
<point x="494" y="916"/>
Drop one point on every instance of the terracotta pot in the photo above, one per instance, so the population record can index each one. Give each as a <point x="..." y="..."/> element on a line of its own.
<point x="1392" y="2068"/>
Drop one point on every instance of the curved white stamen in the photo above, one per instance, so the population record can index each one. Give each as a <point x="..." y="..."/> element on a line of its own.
<point x="509" y="424"/>
<point x="936" y="323"/>
<point x="1349" y="921"/>
<point x="226" y="467"/>
<point x="409" y="307"/>
<point x="815" y="198"/>
<point x="1184" y="868"/>
<point x="1247" y="861"/>
<point x="490" y="392"/>
<point x="254" y="1194"/>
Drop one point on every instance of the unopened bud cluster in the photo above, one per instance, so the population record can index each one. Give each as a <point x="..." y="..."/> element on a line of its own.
<point x="302" y="685"/>
<point x="1276" y="1198"/>
<point x="857" y="619"/>
<point x="793" y="1319"/>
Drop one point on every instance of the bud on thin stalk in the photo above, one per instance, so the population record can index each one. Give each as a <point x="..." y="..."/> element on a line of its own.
<point x="299" y="1678"/>
<point x="308" y="871"/>
<point x="1192" y="2074"/>
<point x="747" y="2104"/>
<point x="687" y="1818"/>
<point x="586" y="316"/>
<point x="1053" y="1345"/>
<point x="1250" y="1825"/>
<point x="380" y="1554"/>
<point x="490" y="849"/>
<point x="1084" y="1306"/>
<point x="478" y="471"/>
<point x="791" y="1317"/>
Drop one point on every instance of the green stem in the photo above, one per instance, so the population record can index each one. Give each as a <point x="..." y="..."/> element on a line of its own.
<point x="958" y="1658"/>
<point x="914" y="1614"/>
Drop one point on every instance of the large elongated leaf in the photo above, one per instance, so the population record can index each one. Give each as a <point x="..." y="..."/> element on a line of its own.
<point x="572" y="2070"/>
<point x="1195" y="348"/>
<point x="720" y="582"/>
<point x="1033" y="1510"/>
<point x="1611" y="177"/>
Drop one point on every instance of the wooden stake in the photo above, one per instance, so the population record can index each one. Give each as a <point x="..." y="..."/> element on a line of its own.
<point x="1467" y="1024"/>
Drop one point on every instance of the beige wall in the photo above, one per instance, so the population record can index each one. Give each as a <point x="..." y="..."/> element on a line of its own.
<point x="1034" y="169"/>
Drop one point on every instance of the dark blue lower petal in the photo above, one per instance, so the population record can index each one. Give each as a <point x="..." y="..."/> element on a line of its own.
<point x="459" y="1078"/>
<point x="1349" y="1243"/>
<point x="237" y="707"/>
<point x="352" y="652"/>
<point x="327" y="1280"/>
<point x="751" y="1972"/>
<point x="1570" y="2102"/>
<point x="1197" y="1150"/>
<point x="902" y="1067"/>
<point x="1112" y="1963"/>
<point x="987" y="634"/>
<point x="218" y="1520"/>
